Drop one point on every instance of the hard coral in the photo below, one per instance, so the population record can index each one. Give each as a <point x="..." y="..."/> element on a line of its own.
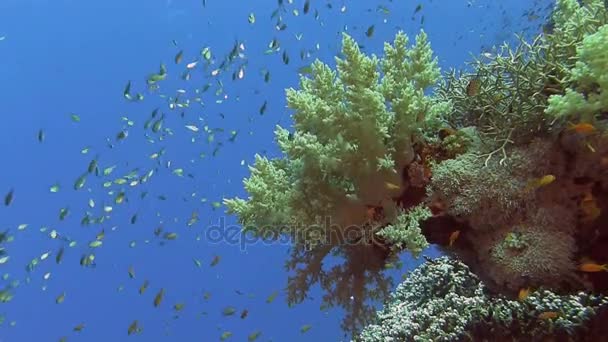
<point x="443" y="300"/>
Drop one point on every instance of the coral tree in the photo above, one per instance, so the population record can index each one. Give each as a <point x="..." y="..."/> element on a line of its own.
<point x="354" y="134"/>
<point x="351" y="181"/>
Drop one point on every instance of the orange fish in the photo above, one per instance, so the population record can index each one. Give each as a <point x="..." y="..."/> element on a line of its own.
<point x="370" y="212"/>
<point x="582" y="127"/>
<point x="453" y="237"/>
<point x="548" y="315"/>
<point x="589" y="208"/>
<point x="523" y="294"/>
<point x="592" y="267"/>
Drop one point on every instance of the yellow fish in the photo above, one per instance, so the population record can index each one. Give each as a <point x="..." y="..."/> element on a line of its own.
<point x="523" y="294"/>
<point x="392" y="186"/>
<point x="539" y="182"/>
<point x="159" y="297"/>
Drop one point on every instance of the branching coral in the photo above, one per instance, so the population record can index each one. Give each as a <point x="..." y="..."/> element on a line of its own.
<point x="506" y="96"/>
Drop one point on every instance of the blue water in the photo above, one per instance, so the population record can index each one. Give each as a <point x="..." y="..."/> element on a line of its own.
<point x="64" y="57"/>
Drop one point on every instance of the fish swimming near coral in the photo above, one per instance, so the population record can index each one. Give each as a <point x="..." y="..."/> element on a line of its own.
<point x="523" y="294"/>
<point x="392" y="186"/>
<point x="589" y="208"/>
<point x="453" y="237"/>
<point x="592" y="267"/>
<point x="539" y="182"/>
<point x="548" y="315"/>
<point x="582" y="127"/>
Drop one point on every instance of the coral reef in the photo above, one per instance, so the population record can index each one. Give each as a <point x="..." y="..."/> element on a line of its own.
<point x="527" y="193"/>
<point x="443" y="300"/>
<point x="505" y="168"/>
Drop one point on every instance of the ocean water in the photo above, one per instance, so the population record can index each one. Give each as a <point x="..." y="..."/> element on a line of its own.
<point x="64" y="65"/>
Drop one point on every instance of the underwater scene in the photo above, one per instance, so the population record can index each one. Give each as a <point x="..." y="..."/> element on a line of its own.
<point x="303" y="170"/>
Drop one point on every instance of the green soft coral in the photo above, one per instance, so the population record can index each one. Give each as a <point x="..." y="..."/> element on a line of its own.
<point x="590" y="77"/>
<point x="353" y="132"/>
<point x="405" y="232"/>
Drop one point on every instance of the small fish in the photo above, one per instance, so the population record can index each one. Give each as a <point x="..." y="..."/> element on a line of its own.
<point x="244" y="313"/>
<point x="548" y="315"/>
<point x="523" y="294"/>
<point x="40" y="136"/>
<point x="254" y="336"/>
<point x="131" y="272"/>
<point x="60" y="298"/>
<point x="229" y="311"/>
<point x="80" y="181"/>
<point x="589" y="208"/>
<point x="79" y="327"/>
<point x="370" y="31"/>
<point x="263" y="108"/>
<point x="391" y="186"/>
<point x="159" y="297"/>
<point x="453" y="237"/>
<point x="179" y="306"/>
<point x="582" y="127"/>
<point x="143" y="287"/>
<point x="179" y="56"/>
<point x="272" y="297"/>
<point x="127" y="91"/>
<point x="305" y="328"/>
<point x="445" y="132"/>
<point x="215" y="261"/>
<point x="590" y="266"/>
<point x="59" y="256"/>
<point x="539" y="182"/>
<point x="133" y="328"/>
<point x="306" y="7"/>
<point x="8" y="198"/>
<point x="473" y="87"/>
<point x="225" y="335"/>
<point x="370" y="212"/>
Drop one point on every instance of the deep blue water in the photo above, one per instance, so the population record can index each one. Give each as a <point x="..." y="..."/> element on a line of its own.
<point x="62" y="57"/>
